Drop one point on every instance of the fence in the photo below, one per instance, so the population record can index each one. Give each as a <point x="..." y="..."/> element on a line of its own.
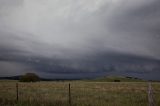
<point x="69" y="93"/>
<point x="76" y="94"/>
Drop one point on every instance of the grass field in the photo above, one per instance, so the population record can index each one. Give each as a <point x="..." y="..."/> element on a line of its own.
<point x="83" y="93"/>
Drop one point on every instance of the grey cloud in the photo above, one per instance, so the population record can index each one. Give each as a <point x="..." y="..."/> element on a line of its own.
<point x="74" y="25"/>
<point x="134" y="27"/>
<point x="74" y="34"/>
<point x="12" y="68"/>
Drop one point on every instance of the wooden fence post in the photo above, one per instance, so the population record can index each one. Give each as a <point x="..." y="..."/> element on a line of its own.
<point x="150" y="95"/>
<point x="17" y="92"/>
<point x="69" y="95"/>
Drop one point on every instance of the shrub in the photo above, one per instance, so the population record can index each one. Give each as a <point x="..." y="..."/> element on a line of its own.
<point x="30" y="77"/>
<point x="117" y="81"/>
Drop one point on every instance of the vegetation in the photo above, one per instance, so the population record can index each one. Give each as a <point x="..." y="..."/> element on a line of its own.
<point x="117" y="79"/>
<point x="83" y="93"/>
<point x="30" y="77"/>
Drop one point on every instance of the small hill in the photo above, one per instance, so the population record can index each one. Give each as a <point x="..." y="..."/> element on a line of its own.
<point x="41" y="79"/>
<point x="10" y="78"/>
<point x="117" y="79"/>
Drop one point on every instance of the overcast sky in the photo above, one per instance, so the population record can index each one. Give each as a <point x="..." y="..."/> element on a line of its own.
<point x="76" y="29"/>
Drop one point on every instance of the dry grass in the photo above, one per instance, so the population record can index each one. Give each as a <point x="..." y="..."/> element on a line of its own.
<point x="83" y="93"/>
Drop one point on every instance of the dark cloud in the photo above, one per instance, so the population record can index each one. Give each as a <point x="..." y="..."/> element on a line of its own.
<point x="80" y="38"/>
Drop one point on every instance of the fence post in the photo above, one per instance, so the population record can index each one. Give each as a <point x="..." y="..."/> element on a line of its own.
<point x="150" y="95"/>
<point x="17" y="92"/>
<point x="69" y="94"/>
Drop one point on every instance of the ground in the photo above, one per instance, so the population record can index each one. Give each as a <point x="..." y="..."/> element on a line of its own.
<point x="83" y="93"/>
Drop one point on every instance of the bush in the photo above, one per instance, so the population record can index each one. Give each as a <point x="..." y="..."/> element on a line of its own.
<point x="117" y="81"/>
<point x="30" y="77"/>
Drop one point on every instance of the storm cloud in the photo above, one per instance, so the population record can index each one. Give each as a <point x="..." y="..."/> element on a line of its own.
<point x="81" y="38"/>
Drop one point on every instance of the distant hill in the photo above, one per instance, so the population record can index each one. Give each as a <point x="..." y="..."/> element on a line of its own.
<point x="10" y="78"/>
<point x="117" y="79"/>
<point x="42" y="79"/>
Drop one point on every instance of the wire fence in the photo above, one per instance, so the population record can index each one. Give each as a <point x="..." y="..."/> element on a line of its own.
<point x="78" y="94"/>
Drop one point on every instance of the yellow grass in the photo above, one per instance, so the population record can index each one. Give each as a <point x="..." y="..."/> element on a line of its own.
<point x="82" y="93"/>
